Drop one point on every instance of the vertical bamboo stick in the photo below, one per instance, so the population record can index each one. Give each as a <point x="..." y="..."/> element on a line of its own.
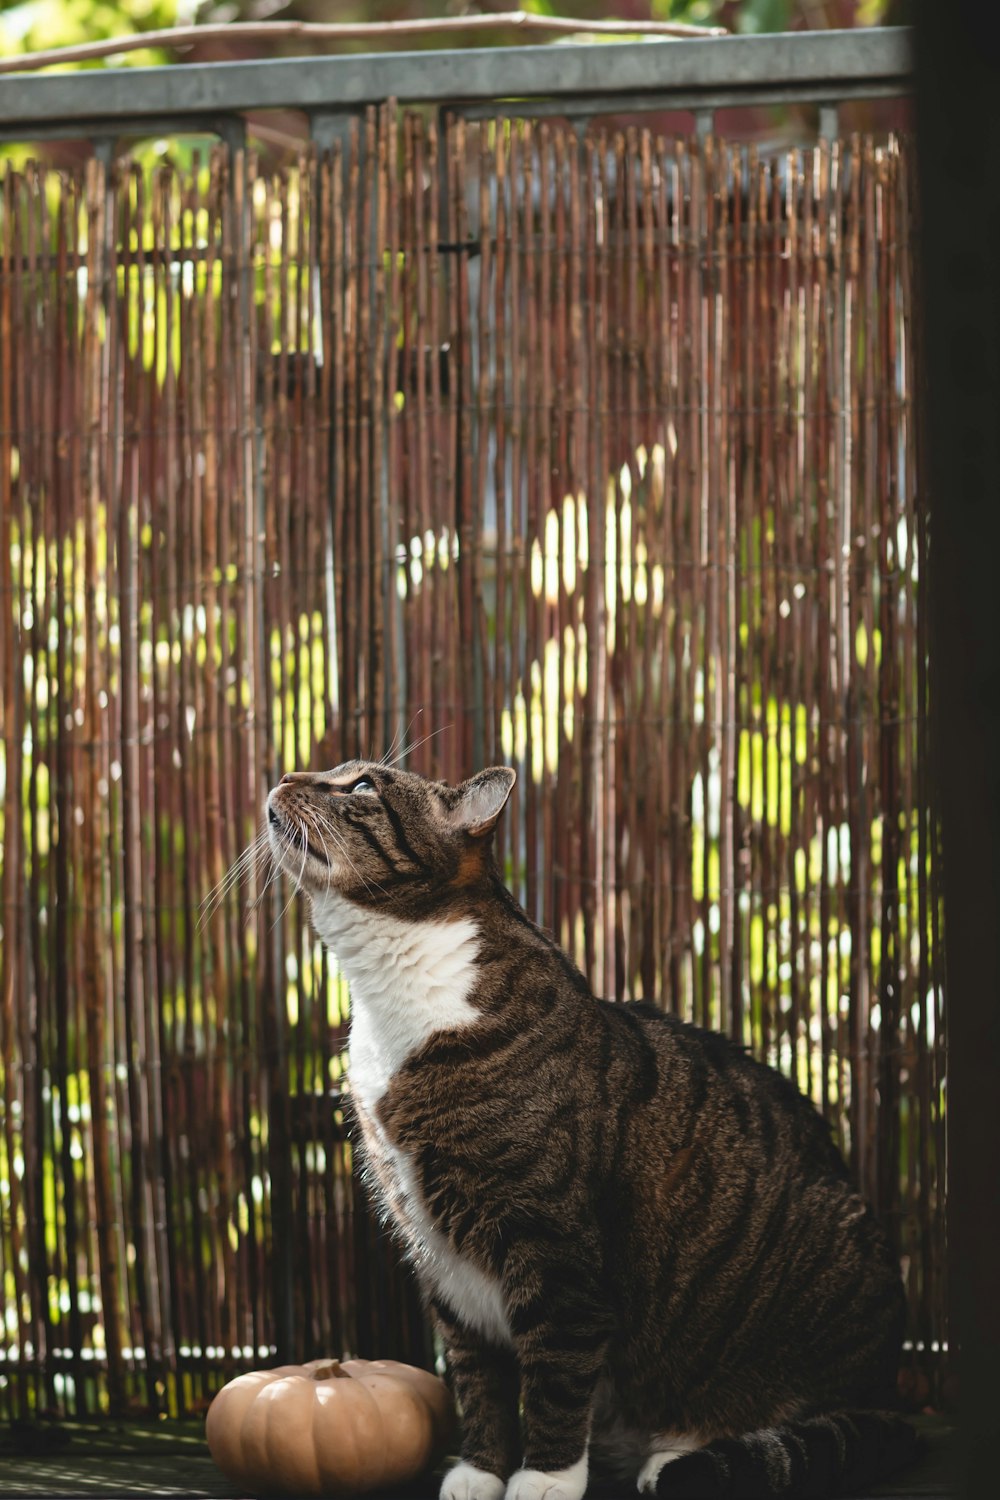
<point x="751" y="484"/>
<point x="512" y="676"/>
<point x="44" y="1212"/>
<point x="799" y="563"/>
<point x="11" y="955"/>
<point x="441" y="749"/>
<point x="552" y="886"/>
<point x="826" y="643"/>
<point x="373" y="241"/>
<point x="352" y="509"/>
<point x="498" y="347"/>
<point x="133" y="1040"/>
<point x="584" y="470"/>
<point x="421" y="438"/>
<point x="484" y="355"/>
<point x="93" y="728"/>
<point x="461" y="366"/>
<point x="734" y="868"/>
<point x="670" y="285"/>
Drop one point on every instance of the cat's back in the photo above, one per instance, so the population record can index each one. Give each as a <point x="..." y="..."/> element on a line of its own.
<point x="710" y="1090"/>
<point x="725" y="1155"/>
<point x="734" y="1214"/>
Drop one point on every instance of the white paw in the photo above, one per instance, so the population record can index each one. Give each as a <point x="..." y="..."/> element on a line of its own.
<point x="657" y="1462"/>
<point x="466" y="1482"/>
<point x="534" y="1484"/>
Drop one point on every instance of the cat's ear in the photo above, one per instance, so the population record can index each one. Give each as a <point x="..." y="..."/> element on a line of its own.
<point x="481" y="800"/>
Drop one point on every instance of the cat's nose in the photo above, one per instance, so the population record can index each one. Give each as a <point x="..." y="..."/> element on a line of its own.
<point x="295" y="776"/>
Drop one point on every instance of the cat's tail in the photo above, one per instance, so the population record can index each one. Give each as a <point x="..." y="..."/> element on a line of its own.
<point x="838" y="1453"/>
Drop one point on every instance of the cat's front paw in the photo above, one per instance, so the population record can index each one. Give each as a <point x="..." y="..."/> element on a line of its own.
<point x="466" y="1482"/>
<point x="536" y="1484"/>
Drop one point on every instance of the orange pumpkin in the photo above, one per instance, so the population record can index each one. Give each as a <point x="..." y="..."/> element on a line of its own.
<point x="326" y="1428"/>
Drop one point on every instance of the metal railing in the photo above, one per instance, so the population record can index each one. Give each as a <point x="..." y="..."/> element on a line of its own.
<point x="701" y="76"/>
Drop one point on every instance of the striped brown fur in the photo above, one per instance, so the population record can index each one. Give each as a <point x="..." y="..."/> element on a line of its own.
<point x="621" y="1221"/>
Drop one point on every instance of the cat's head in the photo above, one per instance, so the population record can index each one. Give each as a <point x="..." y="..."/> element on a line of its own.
<point x="383" y="837"/>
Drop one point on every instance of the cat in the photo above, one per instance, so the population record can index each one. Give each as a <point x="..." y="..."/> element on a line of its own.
<point x="625" y="1228"/>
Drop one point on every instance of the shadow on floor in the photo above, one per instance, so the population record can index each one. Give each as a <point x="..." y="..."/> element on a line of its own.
<point x="113" y="1461"/>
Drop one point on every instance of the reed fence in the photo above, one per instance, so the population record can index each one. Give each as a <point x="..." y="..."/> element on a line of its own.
<point x="588" y="451"/>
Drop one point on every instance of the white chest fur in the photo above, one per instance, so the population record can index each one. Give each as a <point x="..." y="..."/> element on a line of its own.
<point x="409" y="981"/>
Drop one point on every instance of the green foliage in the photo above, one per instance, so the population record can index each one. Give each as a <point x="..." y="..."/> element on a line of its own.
<point x="30" y="25"/>
<point x="766" y="15"/>
<point x="33" y="25"/>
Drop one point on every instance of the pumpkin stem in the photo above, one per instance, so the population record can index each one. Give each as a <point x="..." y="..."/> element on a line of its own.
<point x="326" y="1369"/>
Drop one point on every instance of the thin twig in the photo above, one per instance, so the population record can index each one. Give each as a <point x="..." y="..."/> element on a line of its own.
<point x="324" y="31"/>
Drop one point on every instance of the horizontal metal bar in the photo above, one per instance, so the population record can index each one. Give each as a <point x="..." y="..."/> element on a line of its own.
<point x="743" y="67"/>
<point x="582" y="107"/>
<point x="627" y="104"/>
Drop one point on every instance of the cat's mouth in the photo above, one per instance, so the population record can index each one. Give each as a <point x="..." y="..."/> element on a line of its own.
<point x="292" y="846"/>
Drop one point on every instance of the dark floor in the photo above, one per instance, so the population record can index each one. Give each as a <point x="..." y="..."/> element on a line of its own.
<point x="75" y="1460"/>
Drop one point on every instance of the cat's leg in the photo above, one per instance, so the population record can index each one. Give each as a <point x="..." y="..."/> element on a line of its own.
<point x="486" y="1384"/>
<point x="664" y="1448"/>
<point x="561" y="1336"/>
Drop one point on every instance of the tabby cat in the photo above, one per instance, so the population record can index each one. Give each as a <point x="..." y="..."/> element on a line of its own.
<point x="640" y="1246"/>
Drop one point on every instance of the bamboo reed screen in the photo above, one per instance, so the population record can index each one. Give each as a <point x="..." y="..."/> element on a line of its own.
<point x="594" y="454"/>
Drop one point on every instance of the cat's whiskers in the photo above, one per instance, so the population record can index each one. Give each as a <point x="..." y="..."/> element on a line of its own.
<point x="409" y="749"/>
<point x="233" y="874"/>
<point x="273" y="875"/>
<point x="297" y="885"/>
<point x="237" y="872"/>
<point x="384" y="758"/>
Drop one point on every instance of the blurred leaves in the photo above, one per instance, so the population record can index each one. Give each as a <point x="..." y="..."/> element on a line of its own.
<point x="30" y="25"/>
<point x="33" y="25"/>
<point x="766" y="15"/>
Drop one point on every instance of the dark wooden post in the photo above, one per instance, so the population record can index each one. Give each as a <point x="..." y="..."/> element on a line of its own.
<point x="958" y="63"/>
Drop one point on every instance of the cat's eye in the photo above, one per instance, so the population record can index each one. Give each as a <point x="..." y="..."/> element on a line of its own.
<point x="364" y="785"/>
